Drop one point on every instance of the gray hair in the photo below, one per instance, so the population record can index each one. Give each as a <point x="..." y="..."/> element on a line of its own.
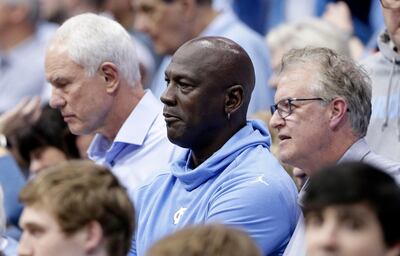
<point x="338" y="76"/>
<point x="91" y="40"/>
<point x="312" y="32"/>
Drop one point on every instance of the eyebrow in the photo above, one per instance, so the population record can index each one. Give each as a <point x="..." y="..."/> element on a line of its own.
<point x="31" y="225"/>
<point x="58" y="79"/>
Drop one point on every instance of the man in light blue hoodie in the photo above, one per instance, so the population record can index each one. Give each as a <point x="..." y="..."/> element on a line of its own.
<point x="227" y="174"/>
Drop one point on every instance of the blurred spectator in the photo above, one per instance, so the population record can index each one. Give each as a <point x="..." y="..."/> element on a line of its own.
<point x="8" y="246"/>
<point x="352" y="209"/>
<point x="172" y="23"/>
<point x="22" y="45"/>
<point x="47" y="142"/>
<point x="311" y="33"/>
<point x="361" y="11"/>
<point x="384" y="68"/>
<point x="210" y="240"/>
<point x="52" y="11"/>
<point x="11" y="176"/>
<point x="76" y="208"/>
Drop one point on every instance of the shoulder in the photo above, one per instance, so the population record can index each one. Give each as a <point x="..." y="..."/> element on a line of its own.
<point x="387" y="165"/>
<point x="151" y="186"/>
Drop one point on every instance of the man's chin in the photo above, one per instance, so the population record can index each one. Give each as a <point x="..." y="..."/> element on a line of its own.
<point x="76" y="130"/>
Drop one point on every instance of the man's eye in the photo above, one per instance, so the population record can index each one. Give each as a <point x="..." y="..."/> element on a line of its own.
<point x="185" y="87"/>
<point x="35" y="231"/>
<point x="147" y="9"/>
<point x="353" y="223"/>
<point x="284" y="105"/>
<point x="314" y="220"/>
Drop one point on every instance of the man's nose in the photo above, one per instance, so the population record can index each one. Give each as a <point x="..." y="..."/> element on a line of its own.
<point x="56" y="99"/>
<point x="168" y="96"/>
<point x="276" y="120"/>
<point x="24" y="248"/>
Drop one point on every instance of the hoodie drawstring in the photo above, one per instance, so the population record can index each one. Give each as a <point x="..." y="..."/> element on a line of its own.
<point x="385" y="122"/>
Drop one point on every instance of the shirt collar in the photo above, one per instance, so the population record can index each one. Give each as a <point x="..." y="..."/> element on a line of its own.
<point x="135" y="128"/>
<point x="356" y="152"/>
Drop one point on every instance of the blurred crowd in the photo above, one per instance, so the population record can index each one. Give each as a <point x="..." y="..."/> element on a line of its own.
<point x="199" y="127"/>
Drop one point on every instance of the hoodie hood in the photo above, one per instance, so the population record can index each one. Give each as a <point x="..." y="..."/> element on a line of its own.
<point x="252" y="135"/>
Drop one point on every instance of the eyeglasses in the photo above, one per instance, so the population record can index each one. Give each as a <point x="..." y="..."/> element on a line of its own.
<point x="390" y="4"/>
<point x="285" y="106"/>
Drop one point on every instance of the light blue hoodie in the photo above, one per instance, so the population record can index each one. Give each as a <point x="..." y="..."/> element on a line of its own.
<point x="240" y="185"/>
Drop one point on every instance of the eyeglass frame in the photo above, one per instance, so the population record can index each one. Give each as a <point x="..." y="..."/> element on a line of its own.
<point x="388" y="7"/>
<point x="274" y="107"/>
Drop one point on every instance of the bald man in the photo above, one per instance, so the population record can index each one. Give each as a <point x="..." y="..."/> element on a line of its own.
<point x="227" y="173"/>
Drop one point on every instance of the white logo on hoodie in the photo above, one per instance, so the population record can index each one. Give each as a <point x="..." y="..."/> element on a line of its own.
<point x="179" y="213"/>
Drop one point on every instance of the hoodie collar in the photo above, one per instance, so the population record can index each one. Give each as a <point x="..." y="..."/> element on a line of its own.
<point x="252" y="135"/>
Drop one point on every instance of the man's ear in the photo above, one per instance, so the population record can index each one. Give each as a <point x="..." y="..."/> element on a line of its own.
<point x="234" y="97"/>
<point x="111" y="76"/>
<point x="93" y="236"/>
<point x="338" y="111"/>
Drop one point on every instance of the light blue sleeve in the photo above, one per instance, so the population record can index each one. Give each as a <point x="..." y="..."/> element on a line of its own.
<point x="12" y="181"/>
<point x="258" y="208"/>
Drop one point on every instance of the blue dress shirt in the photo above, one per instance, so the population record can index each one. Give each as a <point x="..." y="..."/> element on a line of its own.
<point x="141" y="147"/>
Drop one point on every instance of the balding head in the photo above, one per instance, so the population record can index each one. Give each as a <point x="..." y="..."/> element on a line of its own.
<point x="210" y="81"/>
<point x="222" y="61"/>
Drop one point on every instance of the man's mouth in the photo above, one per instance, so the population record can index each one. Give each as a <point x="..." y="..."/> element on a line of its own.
<point x="170" y="118"/>
<point x="284" y="137"/>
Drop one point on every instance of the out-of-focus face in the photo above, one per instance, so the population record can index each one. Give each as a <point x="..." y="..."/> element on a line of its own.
<point x="345" y="230"/>
<point x="42" y="235"/>
<point x="392" y="22"/>
<point x="163" y="22"/>
<point x="117" y="6"/>
<point x="45" y="157"/>
<point x="49" y="8"/>
<point x="303" y="133"/>
<point x="82" y="100"/>
<point x="194" y="98"/>
<point x="5" y="15"/>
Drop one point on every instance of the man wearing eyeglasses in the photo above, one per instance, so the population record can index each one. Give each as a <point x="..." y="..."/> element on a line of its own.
<point x="322" y="111"/>
<point x="384" y="68"/>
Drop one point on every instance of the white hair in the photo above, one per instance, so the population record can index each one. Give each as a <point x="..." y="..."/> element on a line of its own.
<point x="91" y="40"/>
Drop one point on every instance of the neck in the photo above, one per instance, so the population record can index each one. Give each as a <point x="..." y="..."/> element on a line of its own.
<point x="124" y="103"/>
<point x="213" y="141"/>
<point x="332" y="153"/>
<point x="12" y="37"/>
